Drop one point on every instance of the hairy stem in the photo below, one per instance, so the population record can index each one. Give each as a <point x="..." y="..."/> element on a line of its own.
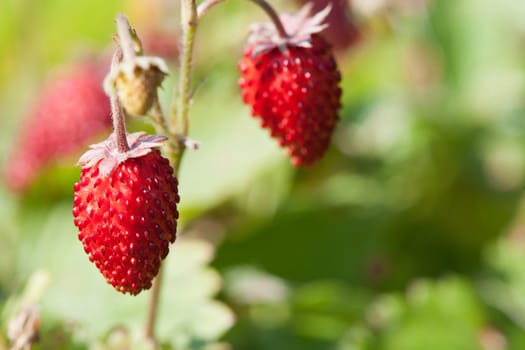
<point x="151" y="317"/>
<point x="118" y="124"/>
<point x="205" y="6"/>
<point x="173" y="146"/>
<point x="125" y="38"/>
<point x="273" y="16"/>
<point x="117" y="112"/>
<point x="176" y="131"/>
<point x="189" y="22"/>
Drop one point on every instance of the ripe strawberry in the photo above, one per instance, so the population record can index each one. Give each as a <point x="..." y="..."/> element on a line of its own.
<point x="70" y="110"/>
<point x="125" y="207"/>
<point x="292" y="84"/>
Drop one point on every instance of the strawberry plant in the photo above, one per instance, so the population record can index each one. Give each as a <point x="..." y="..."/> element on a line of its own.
<point x="126" y="202"/>
<point x="235" y="174"/>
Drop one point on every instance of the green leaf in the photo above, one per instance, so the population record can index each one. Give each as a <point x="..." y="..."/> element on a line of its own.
<point x="438" y="315"/>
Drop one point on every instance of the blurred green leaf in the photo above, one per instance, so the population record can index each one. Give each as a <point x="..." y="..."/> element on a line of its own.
<point x="436" y="315"/>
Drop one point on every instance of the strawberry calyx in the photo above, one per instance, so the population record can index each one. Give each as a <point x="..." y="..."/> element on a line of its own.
<point x="130" y="68"/>
<point x="299" y="29"/>
<point x="108" y="157"/>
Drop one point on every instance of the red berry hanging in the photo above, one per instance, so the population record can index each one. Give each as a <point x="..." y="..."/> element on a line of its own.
<point x="291" y="83"/>
<point x="125" y="208"/>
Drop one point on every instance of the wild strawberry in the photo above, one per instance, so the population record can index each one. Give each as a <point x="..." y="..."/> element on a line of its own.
<point x="342" y="30"/>
<point x="291" y="83"/>
<point x="125" y="207"/>
<point x="70" y="110"/>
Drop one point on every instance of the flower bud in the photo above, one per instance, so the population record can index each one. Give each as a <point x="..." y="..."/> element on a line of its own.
<point x="136" y="82"/>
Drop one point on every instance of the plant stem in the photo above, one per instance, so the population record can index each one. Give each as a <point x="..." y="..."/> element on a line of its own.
<point x="118" y="124"/>
<point x="205" y="6"/>
<point x="273" y="16"/>
<point x="149" y="331"/>
<point x="117" y="112"/>
<point x="189" y="22"/>
<point x="173" y="146"/>
<point x="124" y="35"/>
<point x="178" y="127"/>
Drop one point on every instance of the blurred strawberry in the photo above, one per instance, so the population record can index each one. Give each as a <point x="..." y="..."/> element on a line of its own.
<point x="68" y="112"/>
<point x="342" y="30"/>
<point x="159" y="42"/>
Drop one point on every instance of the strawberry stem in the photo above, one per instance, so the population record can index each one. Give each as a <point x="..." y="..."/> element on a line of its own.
<point x="149" y="331"/>
<point x="205" y="6"/>
<point x="274" y="17"/>
<point x="189" y="21"/>
<point x="125" y="38"/>
<point x="117" y="112"/>
<point x="179" y="123"/>
<point x="179" y="127"/>
<point x="172" y="147"/>
<point x="118" y="124"/>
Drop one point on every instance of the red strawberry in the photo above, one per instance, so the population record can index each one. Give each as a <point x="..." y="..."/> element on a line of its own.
<point x="125" y="208"/>
<point x="292" y="84"/>
<point x="342" y="30"/>
<point x="70" y="110"/>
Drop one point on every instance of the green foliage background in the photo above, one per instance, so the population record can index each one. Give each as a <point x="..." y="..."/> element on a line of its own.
<point x="409" y="234"/>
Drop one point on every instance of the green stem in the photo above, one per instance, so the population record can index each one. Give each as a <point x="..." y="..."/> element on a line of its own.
<point x="178" y="126"/>
<point x="189" y="22"/>
<point x="172" y="147"/>
<point x="149" y="331"/>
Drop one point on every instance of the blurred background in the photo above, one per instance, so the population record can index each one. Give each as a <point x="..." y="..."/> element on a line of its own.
<point x="408" y="235"/>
